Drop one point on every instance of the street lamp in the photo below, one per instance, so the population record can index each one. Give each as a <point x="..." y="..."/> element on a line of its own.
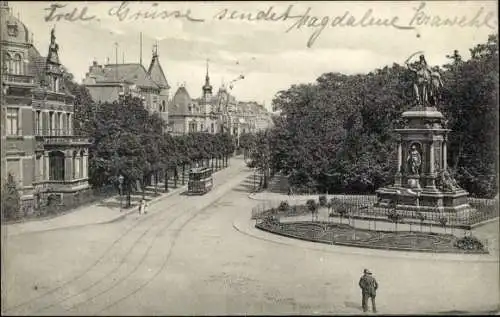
<point x="120" y="184"/>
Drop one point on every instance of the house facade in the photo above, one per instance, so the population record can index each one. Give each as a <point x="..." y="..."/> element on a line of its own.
<point x="110" y="82"/>
<point x="39" y="150"/>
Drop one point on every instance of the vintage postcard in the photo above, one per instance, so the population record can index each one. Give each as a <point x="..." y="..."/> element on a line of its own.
<point x="249" y="158"/>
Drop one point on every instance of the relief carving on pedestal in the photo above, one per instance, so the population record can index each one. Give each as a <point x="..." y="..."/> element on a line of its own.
<point x="445" y="181"/>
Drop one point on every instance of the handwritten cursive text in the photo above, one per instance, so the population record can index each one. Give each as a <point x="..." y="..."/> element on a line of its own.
<point x="348" y="19"/>
<point x="122" y="12"/>
<point x="71" y="16"/>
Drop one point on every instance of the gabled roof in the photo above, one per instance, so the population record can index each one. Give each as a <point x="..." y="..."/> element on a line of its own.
<point x="36" y="65"/>
<point x="135" y="73"/>
<point x="156" y="73"/>
<point x="181" y="102"/>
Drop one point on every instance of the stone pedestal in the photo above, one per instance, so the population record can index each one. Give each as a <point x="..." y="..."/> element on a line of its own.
<point x="426" y="186"/>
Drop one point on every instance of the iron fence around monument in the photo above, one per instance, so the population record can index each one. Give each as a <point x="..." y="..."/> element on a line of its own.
<point x="362" y="207"/>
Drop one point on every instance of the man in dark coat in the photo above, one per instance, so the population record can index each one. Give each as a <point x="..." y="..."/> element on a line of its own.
<point x="369" y="288"/>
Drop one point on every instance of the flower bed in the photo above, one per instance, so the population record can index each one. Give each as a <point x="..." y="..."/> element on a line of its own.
<point x="343" y="234"/>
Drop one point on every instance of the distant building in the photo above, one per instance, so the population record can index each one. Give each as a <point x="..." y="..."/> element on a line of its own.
<point x="214" y="113"/>
<point x="38" y="146"/>
<point x="255" y="116"/>
<point x="110" y="82"/>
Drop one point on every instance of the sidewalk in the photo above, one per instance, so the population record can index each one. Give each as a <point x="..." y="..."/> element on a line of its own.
<point x="104" y="211"/>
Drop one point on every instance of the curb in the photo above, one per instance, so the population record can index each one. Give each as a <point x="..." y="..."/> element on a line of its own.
<point x="373" y="247"/>
<point x="120" y="215"/>
<point x="354" y="250"/>
<point x="482" y="223"/>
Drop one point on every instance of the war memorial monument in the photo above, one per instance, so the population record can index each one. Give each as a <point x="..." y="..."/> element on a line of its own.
<point x="423" y="182"/>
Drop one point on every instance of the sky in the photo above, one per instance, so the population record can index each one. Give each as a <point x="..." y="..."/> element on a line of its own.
<point x="272" y="55"/>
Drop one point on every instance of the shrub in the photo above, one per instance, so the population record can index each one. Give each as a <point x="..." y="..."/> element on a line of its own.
<point x="469" y="243"/>
<point x="284" y="206"/>
<point x="11" y="200"/>
<point x="322" y="200"/>
<point x="394" y="216"/>
<point x="421" y="216"/>
<point x="342" y="209"/>
<point x="335" y="201"/>
<point x="311" y="205"/>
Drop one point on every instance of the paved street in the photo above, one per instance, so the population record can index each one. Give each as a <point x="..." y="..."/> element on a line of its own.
<point x="184" y="259"/>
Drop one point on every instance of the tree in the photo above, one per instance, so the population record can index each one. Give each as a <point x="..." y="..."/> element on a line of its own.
<point x="471" y="99"/>
<point x="260" y="156"/>
<point x="336" y="134"/>
<point x="120" y="145"/>
<point x="313" y="208"/>
<point x="247" y="143"/>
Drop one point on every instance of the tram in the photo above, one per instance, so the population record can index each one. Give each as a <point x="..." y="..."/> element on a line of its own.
<point x="200" y="180"/>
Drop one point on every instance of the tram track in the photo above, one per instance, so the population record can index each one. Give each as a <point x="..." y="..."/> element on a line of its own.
<point x="109" y="273"/>
<point x="167" y="217"/>
<point x="192" y="212"/>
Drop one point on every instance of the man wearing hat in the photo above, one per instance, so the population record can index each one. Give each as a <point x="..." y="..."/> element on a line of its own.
<point x="369" y="287"/>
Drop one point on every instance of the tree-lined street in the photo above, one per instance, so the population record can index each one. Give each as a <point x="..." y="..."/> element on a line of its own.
<point x="184" y="259"/>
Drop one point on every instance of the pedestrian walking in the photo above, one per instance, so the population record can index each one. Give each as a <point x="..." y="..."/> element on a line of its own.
<point x="369" y="288"/>
<point x="142" y="207"/>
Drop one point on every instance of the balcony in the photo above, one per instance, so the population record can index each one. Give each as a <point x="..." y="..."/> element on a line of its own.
<point x="59" y="97"/>
<point x="59" y="185"/>
<point x="59" y="137"/>
<point x="53" y="132"/>
<point x="14" y="134"/>
<point x="65" y="140"/>
<point x="18" y="80"/>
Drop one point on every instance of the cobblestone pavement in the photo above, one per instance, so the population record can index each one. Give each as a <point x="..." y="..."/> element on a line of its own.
<point x="184" y="259"/>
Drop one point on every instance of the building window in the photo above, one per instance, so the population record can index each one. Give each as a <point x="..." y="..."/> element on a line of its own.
<point x="202" y="126"/>
<point x="67" y="123"/>
<point x="51" y="123"/>
<point x="58" y="124"/>
<point x="12" y="121"/>
<point x="39" y="168"/>
<point x="17" y="64"/>
<point x="7" y="66"/>
<point x="56" y="84"/>
<point x="63" y="124"/>
<point x="70" y="124"/>
<point x="192" y="127"/>
<point x="56" y="166"/>
<point x="76" y="165"/>
<point x="81" y="165"/>
<point x="212" y="128"/>
<point x="38" y="122"/>
<point x="163" y="105"/>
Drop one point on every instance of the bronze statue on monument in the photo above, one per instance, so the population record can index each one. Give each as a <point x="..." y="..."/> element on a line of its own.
<point x="427" y="84"/>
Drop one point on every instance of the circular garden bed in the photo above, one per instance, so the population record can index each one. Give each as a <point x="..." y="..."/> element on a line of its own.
<point x="343" y="234"/>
